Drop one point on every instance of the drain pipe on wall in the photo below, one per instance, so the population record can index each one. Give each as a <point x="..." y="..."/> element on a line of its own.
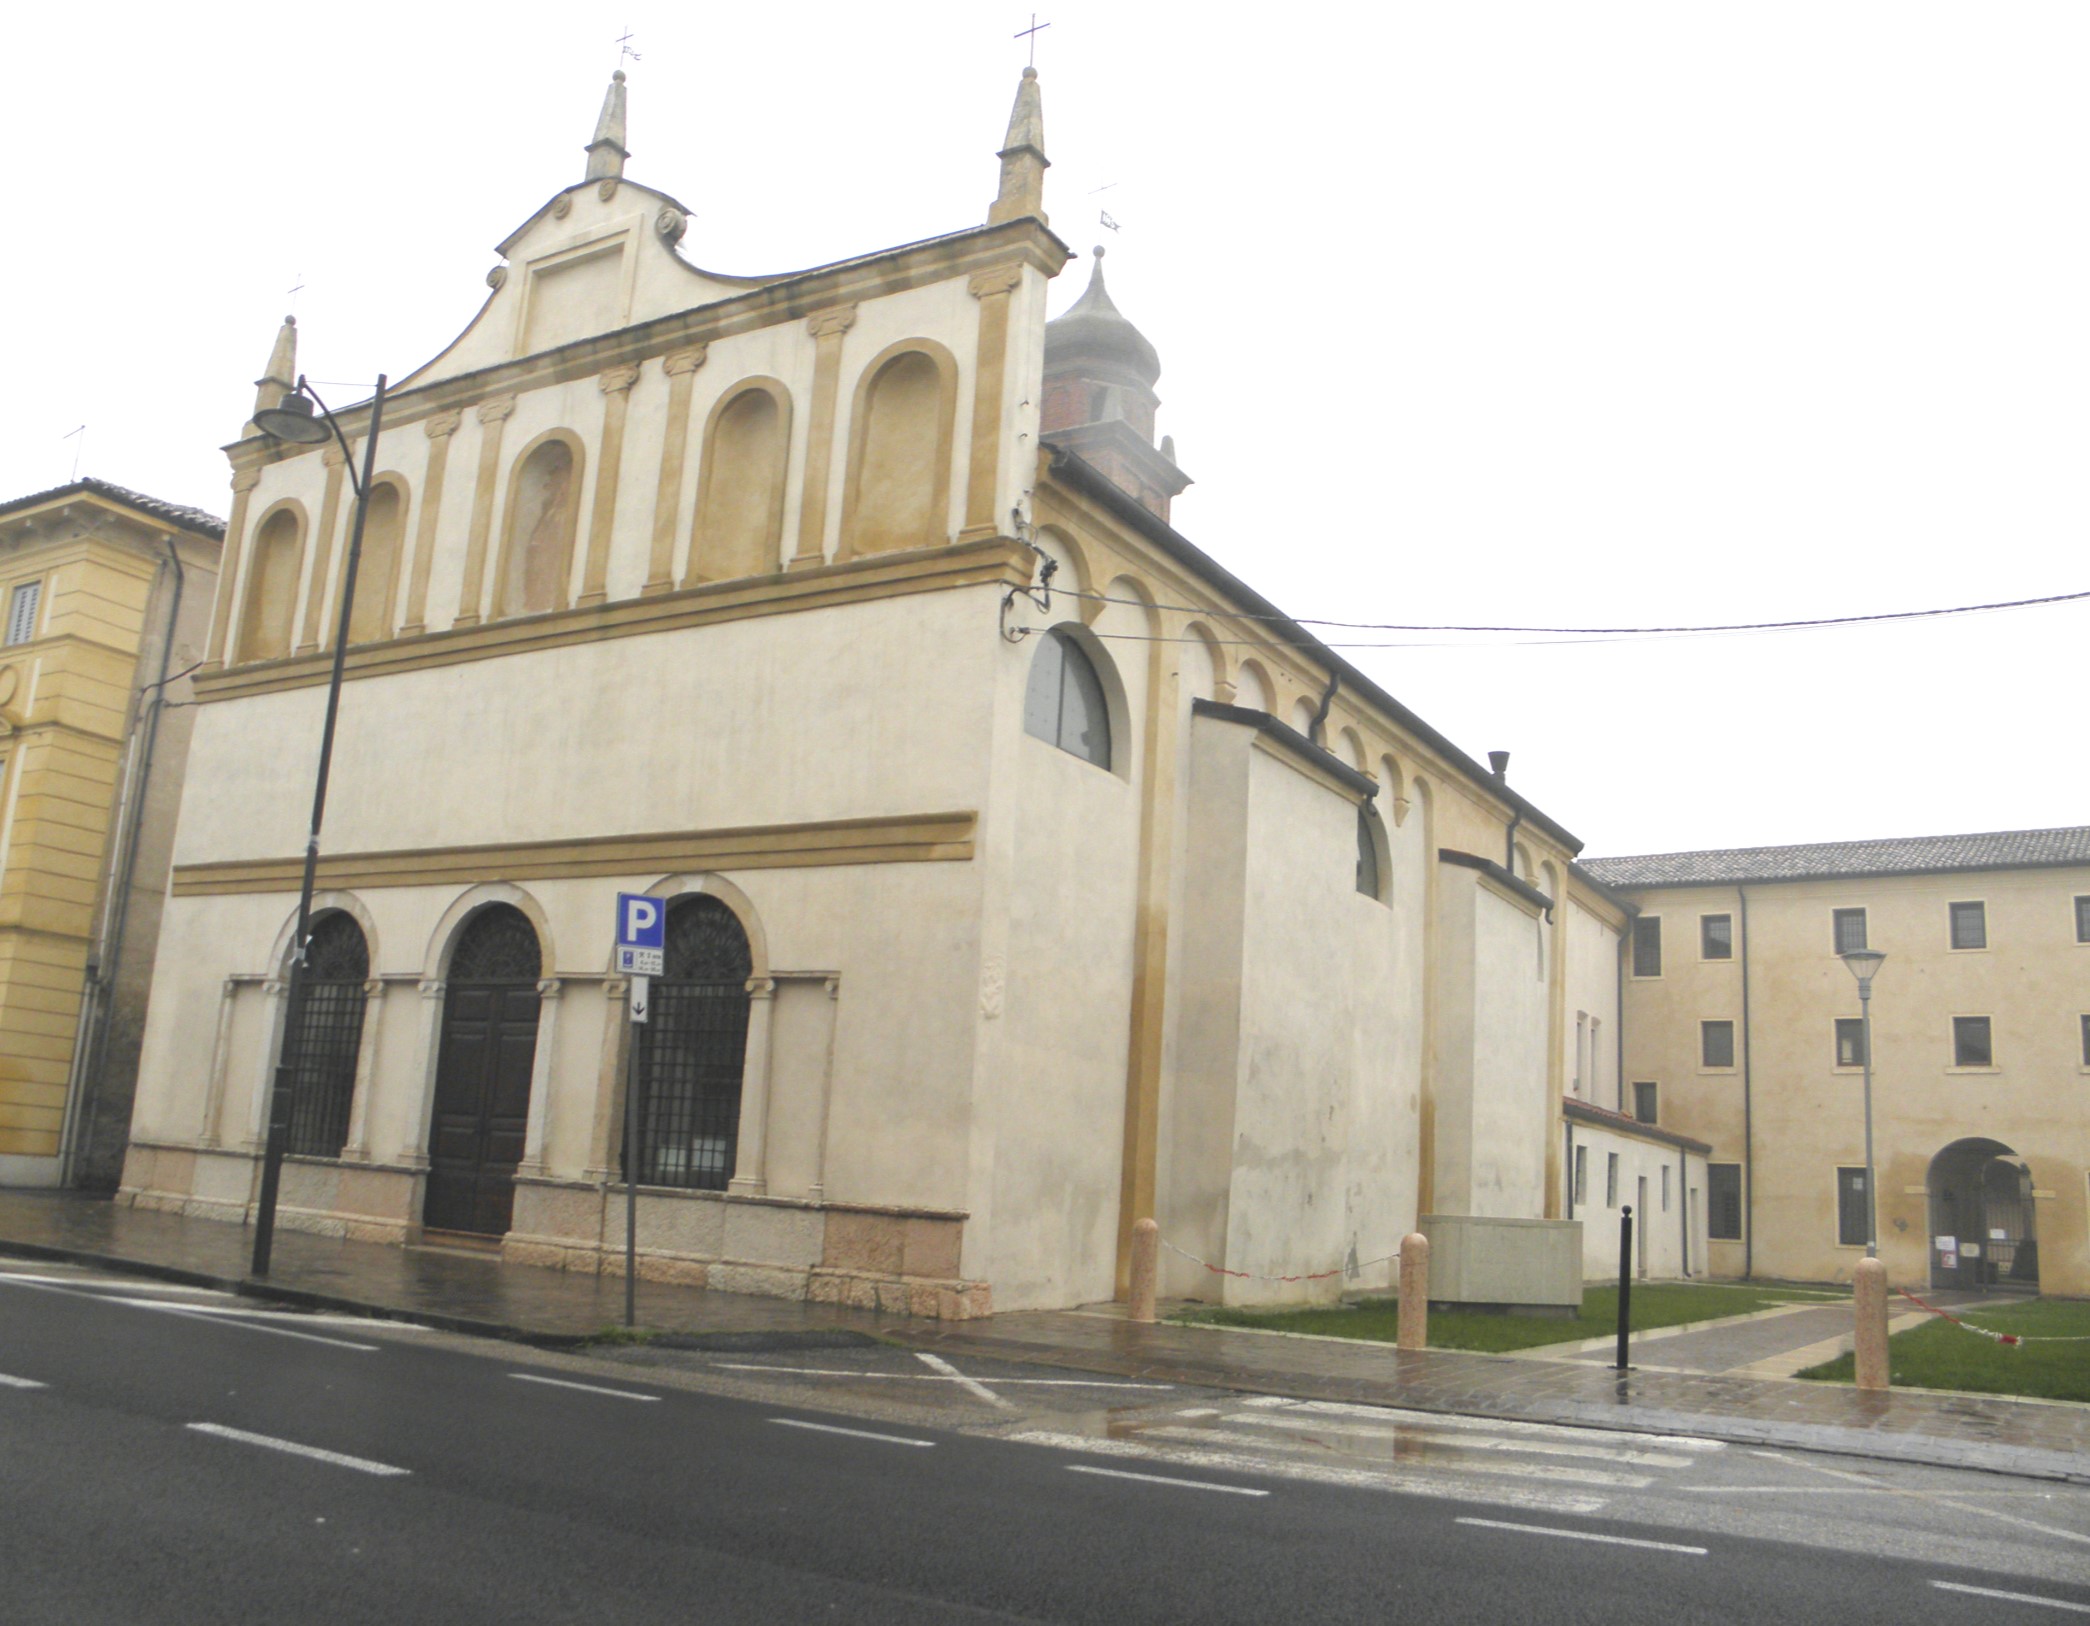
<point x="1499" y="762"/>
<point x="91" y="1039"/>
<point x="1748" y="1120"/>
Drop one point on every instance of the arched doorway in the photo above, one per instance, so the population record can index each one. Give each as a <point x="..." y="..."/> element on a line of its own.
<point x="482" y="1081"/>
<point x="1982" y="1231"/>
<point x="694" y="1049"/>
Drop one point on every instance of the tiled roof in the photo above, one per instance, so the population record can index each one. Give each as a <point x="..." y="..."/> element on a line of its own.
<point x="172" y="513"/>
<point x="1827" y="860"/>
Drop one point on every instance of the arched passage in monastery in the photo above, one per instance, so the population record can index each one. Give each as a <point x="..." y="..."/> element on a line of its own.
<point x="1981" y="1204"/>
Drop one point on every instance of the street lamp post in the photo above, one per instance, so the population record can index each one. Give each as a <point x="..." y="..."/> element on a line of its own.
<point x="1864" y="965"/>
<point x="293" y="420"/>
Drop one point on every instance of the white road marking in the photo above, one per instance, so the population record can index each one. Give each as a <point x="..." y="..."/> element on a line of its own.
<point x="1510" y="1470"/>
<point x="240" y="1312"/>
<point x="1847" y="1490"/>
<point x="1583" y="1535"/>
<point x="1489" y="1425"/>
<point x="255" y="1326"/>
<point x="270" y="1442"/>
<point x="104" y="1289"/>
<point x="7" y="1382"/>
<point x="1952" y="1502"/>
<point x="972" y="1386"/>
<point x="1164" y="1479"/>
<point x="2014" y="1597"/>
<point x="588" y="1388"/>
<point x="927" y="1377"/>
<point x="853" y="1433"/>
<point x="1458" y="1440"/>
<point x="204" y="1312"/>
<point x="1319" y="1472"/>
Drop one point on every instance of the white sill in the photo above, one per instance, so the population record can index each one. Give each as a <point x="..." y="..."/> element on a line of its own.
<point x="1973" y="1070"/>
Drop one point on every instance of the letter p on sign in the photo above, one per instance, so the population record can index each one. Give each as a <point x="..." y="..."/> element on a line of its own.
<point x="641" y="935"/>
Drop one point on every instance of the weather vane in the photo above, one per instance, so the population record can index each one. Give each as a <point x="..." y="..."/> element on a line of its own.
<point x="1032" y="33"/>
<point x="624" y="46"/>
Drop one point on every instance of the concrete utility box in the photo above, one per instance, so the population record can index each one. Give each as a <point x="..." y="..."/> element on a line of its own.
<point x="1505" y="1264"/>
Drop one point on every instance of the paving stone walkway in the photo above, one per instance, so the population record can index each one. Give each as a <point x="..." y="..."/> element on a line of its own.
<point x="481" y="1294"/>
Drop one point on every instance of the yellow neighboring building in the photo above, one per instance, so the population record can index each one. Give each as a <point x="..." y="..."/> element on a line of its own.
<point x="106" y="596"/>
<point x="1743" y="1027"/>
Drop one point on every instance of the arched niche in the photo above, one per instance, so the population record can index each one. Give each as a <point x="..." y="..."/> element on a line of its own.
<point x="542" y="519"/>
<point x="1253" y="688"/>
<point x="1301" y="716"/>
<point x="739" y="524"/>
<point x="1349" y="745"/>
<point x="442" y="942"/>
<point x="273" y="565"/>
<point x="1202" y="663"/>
<point x="717" y="886"/>
<point x="377" y="570"/>
<point x="346" y="903"/>
<point x="897" y="493"/>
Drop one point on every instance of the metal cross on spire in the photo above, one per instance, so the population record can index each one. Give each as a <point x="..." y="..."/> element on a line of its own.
<point x="1031" y="33"/>
<point x="624" y="46"/>
<point x="296" y="290"/>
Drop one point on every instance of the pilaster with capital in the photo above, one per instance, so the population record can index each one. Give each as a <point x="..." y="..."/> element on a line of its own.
<point x="681" y="368"/>
<point x="214" y="1080"/>
<point x="493" y="415"/>
<point x="751" y="1152"/>
<point x="610" y="1076"/>
<point x="616" y="406"/>
<point x="439" y="427"/>
<point x="414" y="1153"/>
<point x="992" y="289"/>
<point x="232" y="569"/>
<point x="548" y="990"/>
<point x="827" y="328"/>
<point x="355" y="1147"/>
<point x="316" y="585"/>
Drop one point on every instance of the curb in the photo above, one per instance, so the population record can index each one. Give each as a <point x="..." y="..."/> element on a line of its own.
<point x="727" y="1340"/>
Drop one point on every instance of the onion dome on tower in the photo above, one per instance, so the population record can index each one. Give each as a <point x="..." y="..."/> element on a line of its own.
<point x="1100" y="373"/>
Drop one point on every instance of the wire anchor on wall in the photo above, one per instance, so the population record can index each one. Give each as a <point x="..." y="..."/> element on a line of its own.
<point x="1040" y="595"/>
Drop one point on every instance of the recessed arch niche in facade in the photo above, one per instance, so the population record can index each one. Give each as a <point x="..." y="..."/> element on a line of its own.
<point x="1252" y="687"/>
<point x="327" y="1044"/>
<point x="273" y="564"/>
<point x="1074" y="698"/>
<point x="692" y="1052"/>
<point x="542" y="519"/>
<point x="1202" y="665"/>
<point x="1374" y="858"/>
<point x="739" y="525"/>
<point x="377" y="570"/>
<point x="897" y="493"/>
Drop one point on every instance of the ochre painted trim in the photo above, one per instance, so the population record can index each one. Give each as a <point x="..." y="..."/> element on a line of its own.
<point x="1000" y="562"/>
<point x="893" y="839"/>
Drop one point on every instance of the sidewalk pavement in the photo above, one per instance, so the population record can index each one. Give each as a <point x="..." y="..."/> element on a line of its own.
<point x="465" y="1292"/>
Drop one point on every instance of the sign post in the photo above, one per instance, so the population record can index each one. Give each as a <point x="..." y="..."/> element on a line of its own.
<point x="641" y="956"/>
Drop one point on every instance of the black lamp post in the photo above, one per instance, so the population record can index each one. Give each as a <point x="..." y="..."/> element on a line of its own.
<point x="293" y="420"/>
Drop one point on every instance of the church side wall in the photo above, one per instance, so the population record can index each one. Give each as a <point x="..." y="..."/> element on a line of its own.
<point x="1510" y="1098"/>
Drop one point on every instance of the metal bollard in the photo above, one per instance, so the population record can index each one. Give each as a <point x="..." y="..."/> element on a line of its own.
<point x="1625" y="1281"/>
<point x="1146" y="1268"/>
<point x="1412" y="1329"/>
<point x="1869" y="1298"/>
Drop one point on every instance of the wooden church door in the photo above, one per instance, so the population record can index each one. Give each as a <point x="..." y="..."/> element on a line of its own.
<point x="482" y="1084"/>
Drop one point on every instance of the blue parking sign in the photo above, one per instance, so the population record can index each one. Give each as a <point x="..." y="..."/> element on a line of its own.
<point x="642" y="935"/>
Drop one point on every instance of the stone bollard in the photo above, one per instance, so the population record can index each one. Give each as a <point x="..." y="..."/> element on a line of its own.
<point x="1869" y="1293"/>
<point x="1146" y="1268"/>
<point x="1413" y="1330"/>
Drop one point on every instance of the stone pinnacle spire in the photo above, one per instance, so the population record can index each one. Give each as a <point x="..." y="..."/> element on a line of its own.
<point x="281" y="375"/>
<point x="607" y="152"/>
<point x="1023" y="160"/>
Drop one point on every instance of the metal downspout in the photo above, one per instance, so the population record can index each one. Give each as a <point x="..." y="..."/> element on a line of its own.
<point x="96" y="1002"/>
<point x="1748" y="1119"/>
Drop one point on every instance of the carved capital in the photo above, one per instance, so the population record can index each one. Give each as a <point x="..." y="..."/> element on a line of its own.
<point x="761" y="988"/>
<point x="834" y="987"/>
<point x="685" y="361"/>
<point x="245" y="479"/>
<point x="441" y="425"/>
<point x="835" y="322"/>
<point x="615" y="988"/>
<point x="430" y="988"/>
<point x="1003" y="279"/>
<point x="275" y="987"/>
<point x="333" y="456"/>
<point x="497" y="409"/>
<point x="548" y="987"/>
<point x="231" y="986"/>
<point x="373" y="988"/>
<point x="617" y="380"/>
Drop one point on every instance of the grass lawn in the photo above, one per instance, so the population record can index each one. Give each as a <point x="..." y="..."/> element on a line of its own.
<point x="1938" y="1355"/>
<point x="1655" y="1304"/>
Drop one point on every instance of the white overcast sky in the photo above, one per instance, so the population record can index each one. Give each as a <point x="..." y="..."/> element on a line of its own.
<point x="1555" y="313"/>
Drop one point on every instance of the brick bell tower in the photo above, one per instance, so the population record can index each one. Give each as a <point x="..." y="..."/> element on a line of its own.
<point x="1099" y="398"/>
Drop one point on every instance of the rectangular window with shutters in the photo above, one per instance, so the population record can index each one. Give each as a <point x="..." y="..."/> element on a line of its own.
<point x="1723" y="1202"/>
<point x="1610" y="1179"/>
<point x="21" y="612"/>
<point x="1647" y="946"/>
<point x="1644" y="1102"/>
<point x="1850" y="1041"/>
<point x="1850" y="930"/>
<point x="1973" y="1043"/>
<point x="1716" y="937"/>
<point x="1970" y="925"/>
<point x="1716" y="1044"/>
<point x="1852" y="1209"/>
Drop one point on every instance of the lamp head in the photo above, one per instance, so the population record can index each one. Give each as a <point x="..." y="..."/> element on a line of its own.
<point x="292" y="420"/>
<point x="1864" y="964"/>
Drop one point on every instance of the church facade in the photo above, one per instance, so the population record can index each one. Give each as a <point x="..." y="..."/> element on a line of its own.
<point x="1025" y="872"/>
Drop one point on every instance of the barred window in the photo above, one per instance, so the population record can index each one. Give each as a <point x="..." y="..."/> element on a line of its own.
<point x="1853" y="1209"/>
<point x="1973" y="1042"/>
<point x="693" y="1049"/>
<point x="329" y="1036"/>
<point x="1716" y="1044"/>
<point x="1723" y="1193"/>
<point x="1647" y="946"/>
<point x="1716" y="937"/>
<point x="1645" y="1106"/>
<point x="1969" y="925"/>
<point x="1850" y="1041"/>
<point x="1850" y="930"/>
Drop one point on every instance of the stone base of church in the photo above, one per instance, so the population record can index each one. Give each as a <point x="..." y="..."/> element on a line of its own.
<point x="901" y="1261"/>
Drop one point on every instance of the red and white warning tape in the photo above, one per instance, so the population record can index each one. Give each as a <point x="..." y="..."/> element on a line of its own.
<point x="1252" y="1276"/>
<point x="1990" y="1332"/>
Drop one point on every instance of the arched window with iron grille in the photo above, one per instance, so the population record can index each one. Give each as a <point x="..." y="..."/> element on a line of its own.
<point x="330" y="1033"/>
<point x="693" y="1048"/>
